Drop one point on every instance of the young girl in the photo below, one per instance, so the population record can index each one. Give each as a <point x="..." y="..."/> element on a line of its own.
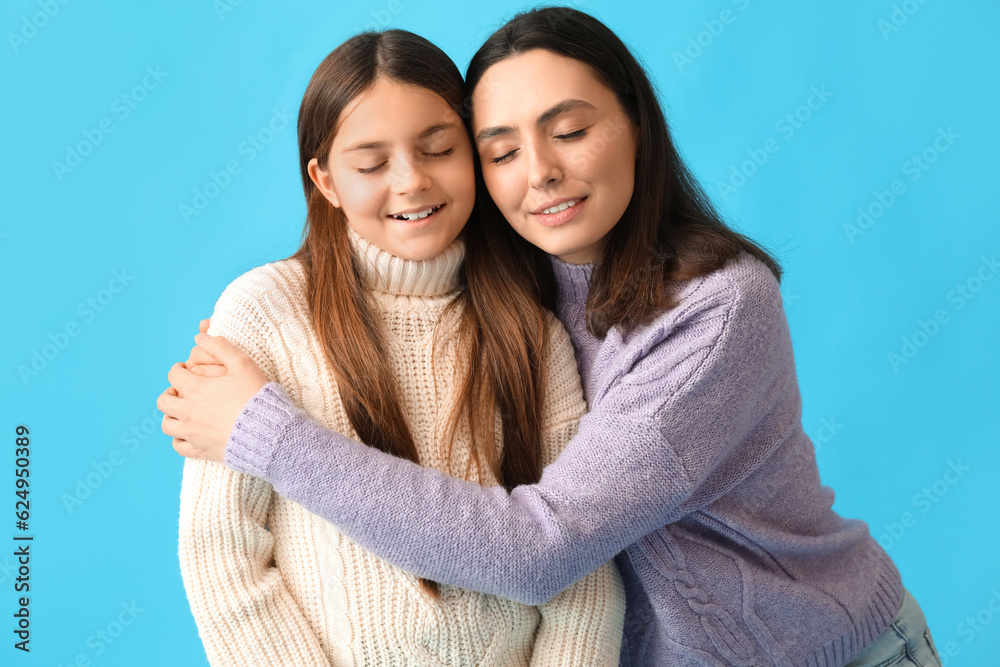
<point x="692" y="465"/>
<point x="369" y="329"/>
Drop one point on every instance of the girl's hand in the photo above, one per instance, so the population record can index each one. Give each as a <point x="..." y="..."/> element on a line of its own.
<point x="201" y="406"/>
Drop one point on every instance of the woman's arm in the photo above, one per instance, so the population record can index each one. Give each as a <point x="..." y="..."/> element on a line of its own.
<point x="244" y="613"/>
<point x="674" y="425"/>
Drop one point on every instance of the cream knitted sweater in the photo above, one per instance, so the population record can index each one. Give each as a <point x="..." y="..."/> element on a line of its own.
<point x="271" y="584"/>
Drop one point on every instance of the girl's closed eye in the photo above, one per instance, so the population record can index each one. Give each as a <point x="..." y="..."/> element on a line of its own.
<point x="372" y="170"/>
<point x="444" y="153"/>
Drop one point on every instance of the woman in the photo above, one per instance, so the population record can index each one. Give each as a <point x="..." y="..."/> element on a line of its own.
<point x="691" y="468"/>
<point x="371" y="328"/>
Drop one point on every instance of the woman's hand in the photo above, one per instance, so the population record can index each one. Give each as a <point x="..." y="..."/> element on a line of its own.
<point x="204" y="401"/>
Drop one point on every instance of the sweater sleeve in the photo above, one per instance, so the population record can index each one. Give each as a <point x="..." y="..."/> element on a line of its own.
<point x="244" y="613"/>
<point x="675" y="422"/>
<point x="583" y="624"/>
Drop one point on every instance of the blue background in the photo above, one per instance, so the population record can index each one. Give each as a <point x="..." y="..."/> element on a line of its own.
<point x="885" y="430"/>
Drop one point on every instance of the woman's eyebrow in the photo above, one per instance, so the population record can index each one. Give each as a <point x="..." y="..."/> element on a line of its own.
<point x="565" y="106"/>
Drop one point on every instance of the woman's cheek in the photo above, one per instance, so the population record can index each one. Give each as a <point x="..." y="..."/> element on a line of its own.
<point x="512" y="184"/>
<point x="584" y="154"/>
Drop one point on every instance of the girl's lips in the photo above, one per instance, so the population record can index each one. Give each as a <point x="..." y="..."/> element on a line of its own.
<point x="556" y="219"/>
<point x="434" y="211"/>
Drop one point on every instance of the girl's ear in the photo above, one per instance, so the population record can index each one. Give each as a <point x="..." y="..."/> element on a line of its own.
<point x="321" y="178"/>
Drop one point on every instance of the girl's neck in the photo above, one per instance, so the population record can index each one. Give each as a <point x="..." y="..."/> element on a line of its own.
<point x="383" y="272"/>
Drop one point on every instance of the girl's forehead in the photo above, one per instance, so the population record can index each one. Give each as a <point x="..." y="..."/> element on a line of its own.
<point x="390" y="108"/>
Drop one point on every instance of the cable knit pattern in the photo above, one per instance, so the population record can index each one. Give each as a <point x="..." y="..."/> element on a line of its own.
<point x="325" y="600"/>
<point x="691" y="469"/>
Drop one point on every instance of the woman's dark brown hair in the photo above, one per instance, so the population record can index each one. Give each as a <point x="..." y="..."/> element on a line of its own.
<point x="670" y="231"/>
<point x="502" y="327"/>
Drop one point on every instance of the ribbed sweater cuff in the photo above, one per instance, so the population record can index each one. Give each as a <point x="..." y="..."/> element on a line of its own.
<point x="258" y="431"/>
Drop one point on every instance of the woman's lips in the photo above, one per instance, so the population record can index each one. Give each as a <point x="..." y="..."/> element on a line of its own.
<point x="559" y="217"/>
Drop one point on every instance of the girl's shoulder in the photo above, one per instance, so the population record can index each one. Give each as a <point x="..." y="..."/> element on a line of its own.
<point x="273" y="288"/>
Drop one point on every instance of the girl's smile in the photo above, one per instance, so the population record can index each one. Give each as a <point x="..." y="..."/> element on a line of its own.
<point x="417" y="213"/>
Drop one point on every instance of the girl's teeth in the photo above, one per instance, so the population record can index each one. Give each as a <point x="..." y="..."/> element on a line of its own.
<point x="416" y="216"/>
<point x="561" y="207"/>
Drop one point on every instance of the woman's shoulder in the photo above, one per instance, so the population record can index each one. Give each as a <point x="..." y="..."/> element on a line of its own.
<point x="745" y="285"/>
<point x="743" y="291"/>
<point x="732" y="315"/>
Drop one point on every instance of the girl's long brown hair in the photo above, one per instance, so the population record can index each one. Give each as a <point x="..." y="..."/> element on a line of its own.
<point x="670" y="230"/>
<point x="503" y="325"/>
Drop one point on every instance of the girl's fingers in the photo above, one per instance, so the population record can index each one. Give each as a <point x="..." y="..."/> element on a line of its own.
<point x="203" y="326"/>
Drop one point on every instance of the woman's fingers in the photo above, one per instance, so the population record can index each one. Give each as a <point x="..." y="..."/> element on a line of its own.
<point x="203" y="326"/>
<point x="200" y="356"/>
<point x="209" y="370"/>
<point x="184" y="448"/>
<point x="220" y="348"/>
<point x="171" y="426"/>
<point x="169" y="403"/>
<point x="183" y="380"/>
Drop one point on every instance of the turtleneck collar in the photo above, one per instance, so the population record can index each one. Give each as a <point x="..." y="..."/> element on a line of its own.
<point x="383" y="272"/>
<point x="573" y="280"/>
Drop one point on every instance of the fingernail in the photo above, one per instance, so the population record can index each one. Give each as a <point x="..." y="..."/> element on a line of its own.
<point x="200" y="337"/>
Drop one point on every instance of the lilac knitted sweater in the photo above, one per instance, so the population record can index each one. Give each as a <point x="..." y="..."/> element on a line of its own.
<point x="691" y="469"/>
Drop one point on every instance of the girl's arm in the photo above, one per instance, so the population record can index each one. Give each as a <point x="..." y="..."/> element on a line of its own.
<point x="583" y="624"/>
<point x="244" y="613"/>
<point x="676" y="422"/>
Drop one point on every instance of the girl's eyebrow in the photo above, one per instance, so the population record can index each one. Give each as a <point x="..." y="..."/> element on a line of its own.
<point x="366" y="146"/>
<point x="565" y="106"/>
<point x="375" y="145"/>
<point x="434" y="129"/>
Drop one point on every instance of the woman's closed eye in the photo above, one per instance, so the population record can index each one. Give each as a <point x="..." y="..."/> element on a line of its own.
<point x="505" y="157"/>
<point x="573" y="135"/>
<point x="568" y="136"/>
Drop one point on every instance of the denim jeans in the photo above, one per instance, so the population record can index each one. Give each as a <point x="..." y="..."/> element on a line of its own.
<point x="907" y="642"/>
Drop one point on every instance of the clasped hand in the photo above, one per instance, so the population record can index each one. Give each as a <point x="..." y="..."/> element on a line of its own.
<point x="207" y="393"/>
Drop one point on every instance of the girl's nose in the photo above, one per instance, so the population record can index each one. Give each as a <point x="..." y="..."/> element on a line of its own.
<point x="408" y="177"/>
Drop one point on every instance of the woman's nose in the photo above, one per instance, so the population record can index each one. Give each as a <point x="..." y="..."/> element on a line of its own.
<point x="545" y="170"/>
